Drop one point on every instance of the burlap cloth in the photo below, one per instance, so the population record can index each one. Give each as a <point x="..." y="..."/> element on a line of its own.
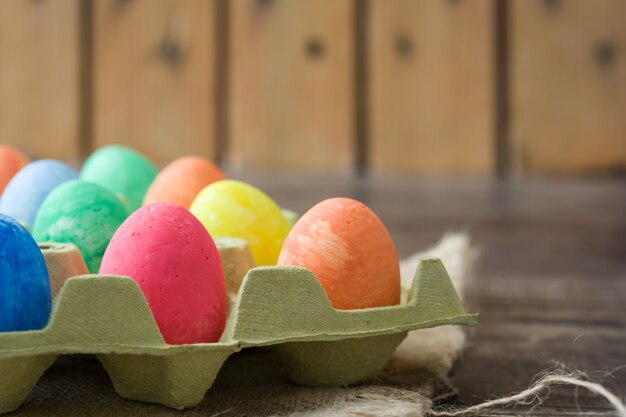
<point x="254" y="383"/>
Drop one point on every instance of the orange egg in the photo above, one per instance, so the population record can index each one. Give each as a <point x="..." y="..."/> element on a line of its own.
<point x="11" y="161"/>
<point x="349" y="250"/>
<point x="182" y="180"/>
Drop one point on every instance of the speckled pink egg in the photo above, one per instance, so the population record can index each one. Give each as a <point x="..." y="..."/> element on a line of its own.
<point x="172" y="257"/>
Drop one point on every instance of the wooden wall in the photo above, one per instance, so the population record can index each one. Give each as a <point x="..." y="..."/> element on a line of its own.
<point x="40" y="77"/>
<point x="431" y="83"/>
<point x="568" y="86"/>
<point x="154" y="76"/>
<point x="431" y="87"/>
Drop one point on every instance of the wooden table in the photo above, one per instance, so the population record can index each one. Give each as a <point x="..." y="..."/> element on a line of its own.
<point x="550" y="284"/>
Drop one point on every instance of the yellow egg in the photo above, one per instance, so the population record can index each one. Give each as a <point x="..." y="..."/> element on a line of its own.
<point x="230" y="208"/>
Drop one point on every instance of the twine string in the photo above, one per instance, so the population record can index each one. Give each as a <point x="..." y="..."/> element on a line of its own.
<point x="532" y="395"/>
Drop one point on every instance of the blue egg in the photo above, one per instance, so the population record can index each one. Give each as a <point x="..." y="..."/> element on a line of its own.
<point x="25" y="299"/>
<point x="26" y="191"/>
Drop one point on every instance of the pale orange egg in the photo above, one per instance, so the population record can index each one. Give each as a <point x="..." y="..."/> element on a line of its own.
<point x="181" y="180"/>
<point x="349" y="251"/>
<point x="11" y="161"/>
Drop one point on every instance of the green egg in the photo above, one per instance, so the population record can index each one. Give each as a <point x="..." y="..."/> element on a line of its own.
<point x="121" y="170"/>
<point x="82" y="213"/>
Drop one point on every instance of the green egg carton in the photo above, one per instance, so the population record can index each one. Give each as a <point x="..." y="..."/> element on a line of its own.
<point x="284" y="308"/>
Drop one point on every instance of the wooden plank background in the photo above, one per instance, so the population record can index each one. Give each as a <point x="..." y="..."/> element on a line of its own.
<point x="397" y="86"/>
<point x="154" y="76"/>
<point x="292" y="85"/>
<point x="431" y="71"/>
<point x="39" y="77"/>
<point x="568" y="86"/>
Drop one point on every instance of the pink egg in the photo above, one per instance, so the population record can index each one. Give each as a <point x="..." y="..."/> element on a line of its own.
<point x="172" y="257"/>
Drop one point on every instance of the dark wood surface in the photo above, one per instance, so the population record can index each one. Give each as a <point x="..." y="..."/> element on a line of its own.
<point x="550" y="283"/>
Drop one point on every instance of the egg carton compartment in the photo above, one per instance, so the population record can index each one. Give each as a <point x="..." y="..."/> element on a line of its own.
<point x="284" y="308"/>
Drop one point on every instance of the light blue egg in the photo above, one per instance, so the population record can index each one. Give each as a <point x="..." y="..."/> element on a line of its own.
<point x="25" y="299"/>
<point x="26" y="191"/>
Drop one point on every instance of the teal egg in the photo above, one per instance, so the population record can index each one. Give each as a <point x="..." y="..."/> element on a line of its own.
<point x="121" y="170"/>
<point x="82" y="213"/>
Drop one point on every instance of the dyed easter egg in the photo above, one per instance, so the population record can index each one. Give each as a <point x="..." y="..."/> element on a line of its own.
<point x="230" y="208"/>
<point x="172" y="257"/>
<point x="349" y="250"/>
<point x="82" y="213"/>
<point x="121" y="170"/>
<point x="182" y="180"/>
<point x="28" y="189"/>
<point x="25" y="299"/>
<point x="11" y="161"/>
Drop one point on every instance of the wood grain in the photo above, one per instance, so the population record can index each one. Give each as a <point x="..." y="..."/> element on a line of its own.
<point x="291" y="84"/>
<point x="430" y="78"/>
<point x="154" y="76"/>
<point x="568" y="86"/>
<point x="39" y="77"/>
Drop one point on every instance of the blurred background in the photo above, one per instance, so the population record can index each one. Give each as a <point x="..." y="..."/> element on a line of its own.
<point x="443" y="88"/>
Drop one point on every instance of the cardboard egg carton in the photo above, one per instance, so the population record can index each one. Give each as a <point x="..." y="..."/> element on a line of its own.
<point x="284" y="308"/>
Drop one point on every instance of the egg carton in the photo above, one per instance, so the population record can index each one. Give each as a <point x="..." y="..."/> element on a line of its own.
<point x="284" y="308"/>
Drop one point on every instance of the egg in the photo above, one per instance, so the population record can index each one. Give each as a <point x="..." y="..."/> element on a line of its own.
<point x="25" y="299"/>
<point x="11" y="161"/>
<point x="349" y="251"/>
<point x="230" y="208"/>
<point x="181" y="180"/>
<point x="172" y="257"/>
<point x="27" y="190"/>
<point x="82" y="213"/>
<point x="121" y="170"/>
